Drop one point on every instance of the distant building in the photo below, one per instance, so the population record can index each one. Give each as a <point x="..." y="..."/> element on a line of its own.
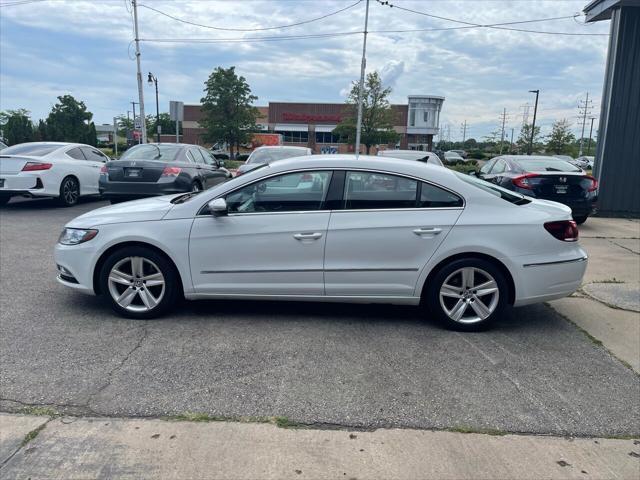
<point x="310" y="124"/>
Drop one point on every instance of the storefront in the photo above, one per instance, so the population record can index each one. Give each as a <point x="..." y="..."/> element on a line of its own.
<point x="310" y="124"/>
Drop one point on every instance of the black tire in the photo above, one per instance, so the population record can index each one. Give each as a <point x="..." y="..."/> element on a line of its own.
<point x="196" y="187"/>
<point x="153" y="260"/>
<point x="69" y="192"/>
<point x="581" y="219"/>
<point x="467" y="323"/>
<point x="4" y="199"/>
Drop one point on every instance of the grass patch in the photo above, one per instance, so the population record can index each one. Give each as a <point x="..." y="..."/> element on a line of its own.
<point x="281" y="422"/>
<point x="484" y="431"/>
<point x="40" y="411"/>
<point x="32" y="434"/>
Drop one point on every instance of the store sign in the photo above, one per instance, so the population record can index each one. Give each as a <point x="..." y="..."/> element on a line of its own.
<point x="310" y="118"/>
<point x="329" y="150"/>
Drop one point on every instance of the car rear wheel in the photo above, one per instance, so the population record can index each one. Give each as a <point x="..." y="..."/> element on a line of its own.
<point x="69" y="192"/>
<point x="581" y="219"/>
<point x="4" y="199"/>
<point x="139" y="282"/>
<point x="196" y="187"/>
<point x="468" y="294"/>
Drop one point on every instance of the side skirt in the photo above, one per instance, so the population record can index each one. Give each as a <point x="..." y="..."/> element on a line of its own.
<point x="395" y="300"/>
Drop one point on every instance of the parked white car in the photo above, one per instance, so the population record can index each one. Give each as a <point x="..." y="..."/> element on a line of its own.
<point x="330" y="228"/>
<point x="452" y="156"/>
<point x="65" y="171"/>
<point x="417" y="155"/>
<point x="267" y="154"/>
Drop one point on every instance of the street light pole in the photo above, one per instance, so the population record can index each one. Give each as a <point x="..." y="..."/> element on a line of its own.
<point x="363" y="66"/>
<point x="533" y="125"/>
<point x="133" y="104"/>
<point x="153" y="79"/>
<point x="590" y="134"/>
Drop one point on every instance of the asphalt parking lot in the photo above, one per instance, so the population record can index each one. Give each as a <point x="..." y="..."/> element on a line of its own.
<point x="328" y="365"/>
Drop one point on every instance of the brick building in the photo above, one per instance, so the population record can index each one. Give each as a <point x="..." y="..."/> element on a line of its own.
<point x="310" y="124"/>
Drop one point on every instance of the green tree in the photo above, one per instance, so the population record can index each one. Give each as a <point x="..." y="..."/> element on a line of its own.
<point x="227" y="111"/>
<point x="560" y="139"/>
<point x="16" y="126"/>
<point x="40" y="132"/>
<point x="92" y="136"/>
<point x="167" y="126"/>
<point x="524" y="138"/>
<point x="377" y="116"/>
<point x="69" y="121"/>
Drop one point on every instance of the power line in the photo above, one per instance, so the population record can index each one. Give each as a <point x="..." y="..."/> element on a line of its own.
<point x="20" y="2"/>
<point x="303" y="22"/>
<point x="497" y="26"/>
<point x="247" y="39"/>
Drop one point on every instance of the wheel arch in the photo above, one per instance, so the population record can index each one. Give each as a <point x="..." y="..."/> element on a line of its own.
<point x="70" y="175"/>
<point x="118" y="246"/>
<point x="483" y="256"/>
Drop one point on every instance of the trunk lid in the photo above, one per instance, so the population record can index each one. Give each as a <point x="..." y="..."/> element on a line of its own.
<point x="12" y="164"/>
<point x="135" y="170"/>
<point x="559" y="186"/>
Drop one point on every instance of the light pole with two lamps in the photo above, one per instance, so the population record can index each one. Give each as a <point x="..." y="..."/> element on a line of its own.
<point x="153" y="79"/>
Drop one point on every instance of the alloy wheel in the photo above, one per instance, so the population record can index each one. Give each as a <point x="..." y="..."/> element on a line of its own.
<point x="469" y="295"/>
<point x="136" y="284"/>
<point x="70" y="191"/>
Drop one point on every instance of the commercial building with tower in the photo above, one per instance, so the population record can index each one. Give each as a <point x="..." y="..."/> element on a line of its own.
<point x="310" y="124"/>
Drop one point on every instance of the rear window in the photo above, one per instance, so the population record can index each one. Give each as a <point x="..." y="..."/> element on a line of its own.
<point x="271" y="155"/>
<point x="163" y="153"/>
<point x="32" y="149"/>
<point x="495" y="190"/>
<point x="547" y="165"/>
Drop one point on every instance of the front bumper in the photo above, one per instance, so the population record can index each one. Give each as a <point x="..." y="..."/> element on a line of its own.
<point x="75" y="266"/>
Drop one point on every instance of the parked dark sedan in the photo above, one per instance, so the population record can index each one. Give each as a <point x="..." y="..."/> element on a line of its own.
<point x="549" y="178"/>
<point x="160" y="169"/>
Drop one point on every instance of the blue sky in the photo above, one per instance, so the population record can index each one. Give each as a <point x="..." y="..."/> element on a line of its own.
<point x="83" y="47"/>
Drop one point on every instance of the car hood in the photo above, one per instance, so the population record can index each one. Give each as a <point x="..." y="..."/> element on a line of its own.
<point x="144" y="210"/>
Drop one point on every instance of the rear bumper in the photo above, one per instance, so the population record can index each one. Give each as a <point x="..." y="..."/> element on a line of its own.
<point x="544" y="279"/>
<point x="141" y="189"/>
<point x="21" y="184"/>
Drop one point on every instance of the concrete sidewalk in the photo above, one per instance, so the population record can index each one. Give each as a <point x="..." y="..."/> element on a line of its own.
<point x="607" y="306"/>
<point x="75" y="448"/>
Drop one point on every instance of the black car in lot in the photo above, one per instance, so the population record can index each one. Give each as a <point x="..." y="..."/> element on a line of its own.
<point x="548" y="178"/>
<point x="152" y="169"/>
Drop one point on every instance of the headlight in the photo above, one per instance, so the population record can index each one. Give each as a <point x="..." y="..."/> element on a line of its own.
<point x="74" y="236"/>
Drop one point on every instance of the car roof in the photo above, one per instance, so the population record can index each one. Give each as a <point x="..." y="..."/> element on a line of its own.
<point x="280" y="147"/>
<point x="364" y="162"/>
<point x="527" y="157"/>
<point x="391" y="152"/>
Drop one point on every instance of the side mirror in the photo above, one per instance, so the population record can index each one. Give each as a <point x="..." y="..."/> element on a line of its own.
<point x="218" y="207"/>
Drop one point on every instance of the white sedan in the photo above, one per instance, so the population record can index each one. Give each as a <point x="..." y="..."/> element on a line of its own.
<point x="65" y="171"/>
<point x="330" y="228"/>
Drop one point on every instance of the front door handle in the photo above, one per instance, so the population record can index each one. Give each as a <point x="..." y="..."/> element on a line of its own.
<point x="427" y="231"/>
<point x="307" y="236"/>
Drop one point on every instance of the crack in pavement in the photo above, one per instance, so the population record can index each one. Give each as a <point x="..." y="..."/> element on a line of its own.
<point x="26" y="441"/>
<point x="622" y="246"/>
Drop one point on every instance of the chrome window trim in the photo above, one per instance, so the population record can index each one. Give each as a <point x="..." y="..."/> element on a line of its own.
<point x="344" y="169"/>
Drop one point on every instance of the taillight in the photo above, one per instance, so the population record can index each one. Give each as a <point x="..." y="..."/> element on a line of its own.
<point x="171" y="171"/>
<point x="104" y="170"/>
<point x="565" y="230"/>
<point x="523" y="181"/>
<point x="35" y="166"/>
<point x="594" y="183"/>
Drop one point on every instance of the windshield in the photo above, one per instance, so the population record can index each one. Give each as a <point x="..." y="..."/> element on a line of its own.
<point x="151" y="151"/>
<point x="272" y="154"/>
<point x="547" y="165"/>
<point x="495" y="190"/>
<point x="32" y="149"/>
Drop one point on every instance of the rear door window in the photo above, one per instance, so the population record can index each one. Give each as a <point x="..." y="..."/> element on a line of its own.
<point x="76" y="153"/>
<point x="371" y="190"/>
<point x="436" y="197"/>
<point x="196" y="156"/>
<point x="499" y="167"/>
<point x="94" y="155"/>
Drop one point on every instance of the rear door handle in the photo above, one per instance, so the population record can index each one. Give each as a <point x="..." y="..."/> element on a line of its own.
<point x="307" y="236"/>
<point x="427" y="231"/>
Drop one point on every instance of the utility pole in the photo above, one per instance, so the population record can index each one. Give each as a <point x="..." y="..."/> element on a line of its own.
<point x="583" y="110"/>
<point x="590" y="134"/>
<point x="115" y="136"/>
<point x="533" y="125"/>
<point x="143" y="122"/>
<point x="511" y="143"/>
<point x="464" y="132"/>
<point x="133" y="104"/>
<point x="504" y="119"/>
<point x="126" y="130"/>
<point x="363" y="67"/>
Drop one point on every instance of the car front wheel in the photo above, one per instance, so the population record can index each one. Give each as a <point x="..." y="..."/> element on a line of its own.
<point x="467" y="294"/>
<point x="139" y="282"/>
